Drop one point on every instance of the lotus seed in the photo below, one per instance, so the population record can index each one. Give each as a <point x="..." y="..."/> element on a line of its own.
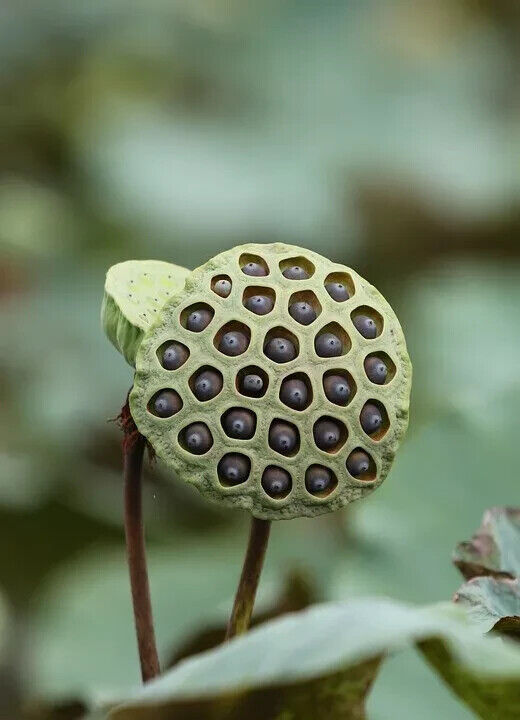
<point x="233" y="469"/>
<point x="328" y="345"/>
<point x="376" y="370"/>
<point x="280" y="350"/>
<point x="276" y="481"/>
<point x="358" y="463"/>
<point x="252" y="385"/>
<point x="371" y="418"/>
<point x="174" y="356"/>
<point x="337" y="291"/>
<point x="294" y="394"/>
<point x="302" y="312"/>
<point x="167" y="403"/>
<point x="222" y="287"/>
<point x="239" y="424"/>
<point x="327" y="434"/>
<point x="260" y="304"/>
<point x="233" y="343"/>
<point x="337" y="389"/>
<point x="198" y="438"/>
<point x="365" y="326"/>
<point x="199" y="319"/>
<point x="254" y="269"/>
<point x="207" y="385"/>
<point x="318" y="479"/>
<point x="295" y="272"/>
<point x="283" y="437"/>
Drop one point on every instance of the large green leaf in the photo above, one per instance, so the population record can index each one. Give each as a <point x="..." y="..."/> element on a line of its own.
<point x="321" y="663"/>
<point x="495" y="548"/>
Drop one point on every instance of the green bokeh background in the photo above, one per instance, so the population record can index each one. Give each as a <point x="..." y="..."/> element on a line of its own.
<point x="385" y="135"/>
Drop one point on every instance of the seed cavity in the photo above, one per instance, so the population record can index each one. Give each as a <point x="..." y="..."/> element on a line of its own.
<point x="276" y="482"/>
<point x="165" y="403"/>
<point x="233" y="469"/>
<point x="320" y="481"/>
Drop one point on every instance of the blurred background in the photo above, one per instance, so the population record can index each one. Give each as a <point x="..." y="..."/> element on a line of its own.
<point x="384" y="135"/>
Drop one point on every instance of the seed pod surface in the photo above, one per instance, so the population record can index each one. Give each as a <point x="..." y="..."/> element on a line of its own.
<point x="298" y="427"/>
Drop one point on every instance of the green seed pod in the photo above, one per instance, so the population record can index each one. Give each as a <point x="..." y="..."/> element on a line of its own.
<point x="320" y="473"/>
<point x="135" y="291"/>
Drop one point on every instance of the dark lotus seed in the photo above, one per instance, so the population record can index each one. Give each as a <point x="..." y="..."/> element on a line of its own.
<point x="280" y="350"/>
<point x="294" y="394"/>
<point x="174" y="356"/>
<point x="358" y="463"/>
<point x="376" y="370"/>
<point x="302" y="312"/>
<point x="233" y="343"/>
<point x="337" y="389"/>
<point x="259" y="304"/>
<point x="295" y="272"/>
<point x="282" y="437"/>
<point x="365" y="326"/>
<point x="318" y="479"/>
<point x="337" y="291"/>
<point x="207" y="385"/>
<point x="276" y="481"/>
<point x="167" y="403"/>
<point x="252" y="384"/>
<point x="222" y="287"/>
<point x="199" y="319"/>
<point x="198" y="438"/>
<point x="233" y="469"/>
<point x="326" y="434"/>
<point x="371" y="418"/>
<point x="239" y="424"/>
<point x="254" y="269"/>
<point x="328" y="345"/>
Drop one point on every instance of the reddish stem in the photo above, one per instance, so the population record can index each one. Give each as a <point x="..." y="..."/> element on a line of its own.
<point x="133" y="451"/>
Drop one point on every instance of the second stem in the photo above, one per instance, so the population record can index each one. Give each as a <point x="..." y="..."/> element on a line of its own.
<point x="248" y="584"/>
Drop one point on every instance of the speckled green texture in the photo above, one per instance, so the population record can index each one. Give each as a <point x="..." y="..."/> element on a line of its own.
<point x="201" y="471"/>
<point x="135" y="291"/>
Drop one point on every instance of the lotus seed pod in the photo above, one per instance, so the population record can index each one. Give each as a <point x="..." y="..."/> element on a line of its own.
<point x="174" y="355"/>
<point x="135" y="291"/>
<point x="302" y="312"/>
<point x="260" y="304"/>
<point x="376" y="370"/>
<point x="272" y="453"/>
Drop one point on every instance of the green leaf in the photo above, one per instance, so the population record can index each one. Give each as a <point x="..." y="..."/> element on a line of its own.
<point x="321" y="663"/>
<point x="135" y="291"/>
<point x="495" y="548"/>
<point x="493" y="603"/>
